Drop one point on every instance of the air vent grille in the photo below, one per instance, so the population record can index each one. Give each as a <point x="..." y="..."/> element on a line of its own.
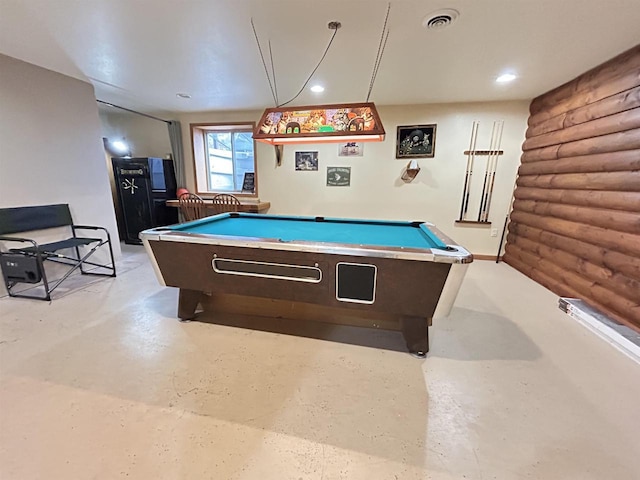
<point x="440" y="19"/>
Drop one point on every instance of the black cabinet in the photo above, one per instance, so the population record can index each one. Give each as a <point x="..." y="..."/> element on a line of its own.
<point x="143" y="186"/>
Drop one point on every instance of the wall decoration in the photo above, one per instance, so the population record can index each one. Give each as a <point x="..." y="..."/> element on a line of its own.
<point x="350" y="149"/>
<point x="249" y="182"/>
<point x="338" y="176"/>
<point x="306" y="161"/>
<point x="410" y="171"/>
<point x="416" y="141"/>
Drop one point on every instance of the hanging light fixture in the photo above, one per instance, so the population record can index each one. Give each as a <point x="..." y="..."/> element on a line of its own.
<point x="347" y="122"/>
<point x="336" y="123"/>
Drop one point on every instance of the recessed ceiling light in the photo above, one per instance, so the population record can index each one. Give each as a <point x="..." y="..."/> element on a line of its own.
<point x="506" y="78"/>
<point x="183" y="95"/>
<point x="317" y="89"/>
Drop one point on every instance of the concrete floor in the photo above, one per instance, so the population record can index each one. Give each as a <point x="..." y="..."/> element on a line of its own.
<point x="105" y="383"/>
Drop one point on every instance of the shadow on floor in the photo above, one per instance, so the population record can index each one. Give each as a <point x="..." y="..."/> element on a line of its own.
<point x="471" y="335"/>
<point x="368" y="400"/>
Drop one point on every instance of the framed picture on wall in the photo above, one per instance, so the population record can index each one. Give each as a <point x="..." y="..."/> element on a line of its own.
<point x="338" y="176"/>
<point x="416" y="141"/>
<point x="306" y="161"/>
<point x="350" y="149"/>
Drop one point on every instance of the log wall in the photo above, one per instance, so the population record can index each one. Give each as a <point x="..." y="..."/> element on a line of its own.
<point x="575" y="223"/>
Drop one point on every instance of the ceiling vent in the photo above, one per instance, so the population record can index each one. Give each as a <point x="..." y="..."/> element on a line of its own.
<point x="440" y="19"/>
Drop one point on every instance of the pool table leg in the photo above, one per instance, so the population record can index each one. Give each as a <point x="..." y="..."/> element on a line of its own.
<point x="187" y="303"/>
<point x="416" y="333"/>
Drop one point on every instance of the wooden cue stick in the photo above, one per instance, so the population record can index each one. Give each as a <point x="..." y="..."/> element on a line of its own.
<point x="473" y="158"/>
<point x="506" y="218"/>
<point x="465" y="190"/>
<point x="486" y="173"/>
<point x="466" y="176"/>
<point x="493" y="170"/>
<point x="493" y="159"/>
<point x="504" y="229"/>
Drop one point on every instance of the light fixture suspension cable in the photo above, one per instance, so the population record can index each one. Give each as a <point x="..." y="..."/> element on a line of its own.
<point x="132" y="111"/>
<point x="381" y="46"/>
<point x="335" y="31"/>
<point x="273" y="72"/>
<point x="266" y="70"/>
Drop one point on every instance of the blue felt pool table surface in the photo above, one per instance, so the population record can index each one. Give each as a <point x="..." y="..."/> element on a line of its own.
<point x="309" y="229"/>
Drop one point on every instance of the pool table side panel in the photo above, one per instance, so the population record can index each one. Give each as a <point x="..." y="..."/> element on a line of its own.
<point x="404" y="287"/>
<point x="217" y="303"/>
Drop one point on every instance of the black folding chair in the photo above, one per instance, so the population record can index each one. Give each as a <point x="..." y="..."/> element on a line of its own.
<point x="25" y="264"/>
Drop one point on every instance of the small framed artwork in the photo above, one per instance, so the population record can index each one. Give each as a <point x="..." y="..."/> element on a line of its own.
<point x="350" y="149"/>
<point x="249" y="182"/>
<point x="416" y="141"/>
<point x="338" y="176"/>
<point x="306" y="161"/>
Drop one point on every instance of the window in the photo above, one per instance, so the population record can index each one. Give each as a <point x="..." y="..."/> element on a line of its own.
<point x="223" y="155"/>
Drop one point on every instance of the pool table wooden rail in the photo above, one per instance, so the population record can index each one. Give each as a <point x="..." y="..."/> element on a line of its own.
<point x="453" y="254"/>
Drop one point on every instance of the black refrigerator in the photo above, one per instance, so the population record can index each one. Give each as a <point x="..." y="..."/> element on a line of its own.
<point x="144" y="185"/>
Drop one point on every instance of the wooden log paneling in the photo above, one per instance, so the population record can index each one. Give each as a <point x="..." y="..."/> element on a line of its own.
<point x="560" y="288"/>
<point x="575" y="223"/>
<point x="614" y="261"/>
<point x="607" y="106"/>
<point x="609" y="219"/>
<point x="617" y="85"/>
<point x="627" y="160"/>
<point x="624" y="286"/>
<point x="626" y="201"/>
<point x="620" y="122"/>
<point x="617" y="66"/>
<point x="619" y="181"/>
<point x="611" y="300"/>
<point x="615" y="142"/>
<point x="626" y="243"/>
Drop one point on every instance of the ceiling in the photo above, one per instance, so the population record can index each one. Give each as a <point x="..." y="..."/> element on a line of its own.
<point x="140" y="53"/>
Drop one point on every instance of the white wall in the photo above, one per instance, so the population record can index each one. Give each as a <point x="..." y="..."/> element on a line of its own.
<point x="376" y="189"/>
<point x="145" y="136"/>
<point x="51" y="145"/>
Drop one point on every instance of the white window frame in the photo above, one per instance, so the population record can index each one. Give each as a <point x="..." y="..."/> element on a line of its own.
<point x="200" y="155"/>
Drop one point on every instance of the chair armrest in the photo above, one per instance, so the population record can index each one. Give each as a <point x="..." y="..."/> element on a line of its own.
<point x="91" y="227"/>
<point x="87" y="227"/>
<point x="19" y="239"/>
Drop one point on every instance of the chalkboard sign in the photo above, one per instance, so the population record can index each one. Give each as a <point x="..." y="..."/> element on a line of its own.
<point x="248" y="183"/>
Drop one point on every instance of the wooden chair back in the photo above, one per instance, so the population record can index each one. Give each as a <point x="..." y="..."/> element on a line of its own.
<point x="225" y="202"/>
<point x="192" y="206"/>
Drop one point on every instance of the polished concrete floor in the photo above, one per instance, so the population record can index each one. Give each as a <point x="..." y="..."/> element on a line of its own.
<point x="105" y="383"/>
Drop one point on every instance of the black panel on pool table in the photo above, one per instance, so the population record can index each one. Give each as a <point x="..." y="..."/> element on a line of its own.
<point x="356" y="282"/>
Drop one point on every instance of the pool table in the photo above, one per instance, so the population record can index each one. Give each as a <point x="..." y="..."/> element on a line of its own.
<point x="385" y="274"/>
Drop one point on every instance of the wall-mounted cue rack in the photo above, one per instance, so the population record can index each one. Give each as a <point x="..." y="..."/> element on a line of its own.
<point x="483" y="152"/>
<point x="491" y="166"/>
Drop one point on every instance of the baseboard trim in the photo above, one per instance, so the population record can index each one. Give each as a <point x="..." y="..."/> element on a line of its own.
<point x="617" y="335"/>
<point x="486" y="257"/>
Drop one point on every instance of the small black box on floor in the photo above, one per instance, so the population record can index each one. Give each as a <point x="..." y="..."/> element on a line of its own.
<point x="20" y="268"/>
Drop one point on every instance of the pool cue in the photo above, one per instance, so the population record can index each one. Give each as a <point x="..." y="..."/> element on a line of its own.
<point x="486" y="174"/>
<point x="473" y="159"/>
<point x="504" y="229"/>
<point x="496" y="155"/>
<point x="506" y="218"/>
<point x="467" y="178"/>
